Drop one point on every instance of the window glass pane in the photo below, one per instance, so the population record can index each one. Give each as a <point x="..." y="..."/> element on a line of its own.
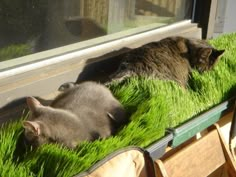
<point x="30" y="26"/>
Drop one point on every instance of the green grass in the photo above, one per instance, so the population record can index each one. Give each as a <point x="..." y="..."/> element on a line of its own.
<point x="154" y="105"/>
<point x="14" y="51"/>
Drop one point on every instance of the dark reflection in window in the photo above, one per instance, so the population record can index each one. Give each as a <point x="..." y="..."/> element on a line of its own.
<point x="29" y="26"/>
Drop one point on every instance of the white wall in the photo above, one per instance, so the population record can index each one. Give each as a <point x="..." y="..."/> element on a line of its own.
<point x="225" y="17"/>
<point x="230" y="21"/>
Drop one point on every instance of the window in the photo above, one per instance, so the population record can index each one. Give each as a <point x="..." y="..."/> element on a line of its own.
<point x="31" y="26"/>
<point x="46" y="43"/>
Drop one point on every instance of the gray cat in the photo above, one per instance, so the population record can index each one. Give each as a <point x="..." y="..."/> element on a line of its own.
<point x="171" y="58"/>
<point x="87" y="111"/>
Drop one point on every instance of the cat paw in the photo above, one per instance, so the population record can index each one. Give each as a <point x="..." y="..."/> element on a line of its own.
<point x="66" y="86"/>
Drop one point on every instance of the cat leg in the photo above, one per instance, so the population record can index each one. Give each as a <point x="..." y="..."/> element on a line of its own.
<point x="66" y="86"/>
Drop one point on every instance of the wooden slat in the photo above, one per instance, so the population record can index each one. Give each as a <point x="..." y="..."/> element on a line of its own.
<point x="230" y="165"/>
<point x="199" y="159"/>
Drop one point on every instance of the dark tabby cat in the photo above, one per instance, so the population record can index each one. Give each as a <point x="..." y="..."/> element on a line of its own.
<point x="87" y="111"/>
<point x="172" y="58"/>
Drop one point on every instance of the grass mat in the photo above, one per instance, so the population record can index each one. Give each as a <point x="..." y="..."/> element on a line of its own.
<point x="154" y="105"/>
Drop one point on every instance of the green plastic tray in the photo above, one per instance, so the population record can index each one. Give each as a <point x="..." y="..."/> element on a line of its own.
<point x="158" y="149"/>
<point x="199" y="123"/>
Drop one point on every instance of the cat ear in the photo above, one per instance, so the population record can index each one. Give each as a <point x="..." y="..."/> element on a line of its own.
<point x="217" y="53"/>
<point x="33" y="127"/>
<point x="215" y="56"/>
<point x="181" y="44"/>
<point x="33" y="103"/>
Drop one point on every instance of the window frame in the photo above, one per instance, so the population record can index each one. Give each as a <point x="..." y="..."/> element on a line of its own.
<point x="204" y="13"/>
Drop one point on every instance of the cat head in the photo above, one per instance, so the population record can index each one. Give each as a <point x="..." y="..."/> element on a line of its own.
<point x="36" y="131"/>
<point x="203" y="56"/>
<point x="33" y="134"/>
<point x="50" y="125"/>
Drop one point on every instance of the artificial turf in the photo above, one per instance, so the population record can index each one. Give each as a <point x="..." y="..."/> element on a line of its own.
<point x="154" y="105"/>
